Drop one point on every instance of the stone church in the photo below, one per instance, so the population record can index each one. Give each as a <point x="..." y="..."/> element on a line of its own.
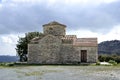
<point x="58" y="48"/>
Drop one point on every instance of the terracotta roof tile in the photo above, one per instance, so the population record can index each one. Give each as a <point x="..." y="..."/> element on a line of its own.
<point x="70" y="37"/>
<point x="85" y="42"/>
<point x="54" y="23"/>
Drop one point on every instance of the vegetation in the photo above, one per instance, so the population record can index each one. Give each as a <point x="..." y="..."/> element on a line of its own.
<point x="109" y="51"/>
<point x="107" y="58"/>
<point x="113" y="62"/>
<point x="21" y="47"/>
<point x="7" y="64"/>
<point x="98" y="63"/>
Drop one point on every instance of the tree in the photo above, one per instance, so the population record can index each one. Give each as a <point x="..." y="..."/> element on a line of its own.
<point x="21" y="46"/>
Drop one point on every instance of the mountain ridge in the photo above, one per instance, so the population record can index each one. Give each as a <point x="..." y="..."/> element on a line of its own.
<point x="109" y="47"/>
<point x="8" y="58"/>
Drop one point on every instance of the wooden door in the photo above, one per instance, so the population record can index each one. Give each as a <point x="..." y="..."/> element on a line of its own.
<point x="83" y="55"/>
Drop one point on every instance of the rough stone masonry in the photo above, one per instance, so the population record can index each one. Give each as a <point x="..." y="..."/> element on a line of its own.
<point x="58" y="48"/>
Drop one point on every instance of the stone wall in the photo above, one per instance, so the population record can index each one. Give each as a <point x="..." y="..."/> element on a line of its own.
<point x="69" y="55"/>
<point x="33" y="52"/>
<point x="46" y="51"/>
<point x="50" y="50"/>
<point x="56" y="30"/>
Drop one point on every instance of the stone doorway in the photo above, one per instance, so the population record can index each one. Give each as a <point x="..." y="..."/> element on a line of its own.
<point x="83" y="55"/>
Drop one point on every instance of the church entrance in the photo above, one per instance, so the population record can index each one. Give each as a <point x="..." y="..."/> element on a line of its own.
<point x="83" y="55"/>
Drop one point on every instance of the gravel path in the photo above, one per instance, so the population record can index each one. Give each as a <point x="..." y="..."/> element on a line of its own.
<point x="60" y="73"/>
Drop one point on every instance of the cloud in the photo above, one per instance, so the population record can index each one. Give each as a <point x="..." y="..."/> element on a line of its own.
<point x="18" y="16"/>
<point x="8" y="44"/>
<point x="63" y="1"/>
<point x="82" y="33"/>
<point x="85" y="18"/>
<point x="113" y="34"/>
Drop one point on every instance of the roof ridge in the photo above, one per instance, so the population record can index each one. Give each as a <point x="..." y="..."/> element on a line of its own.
<point x="54" y="23"/>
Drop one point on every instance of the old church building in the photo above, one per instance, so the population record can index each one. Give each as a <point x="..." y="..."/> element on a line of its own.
<point x="58" y="48"/>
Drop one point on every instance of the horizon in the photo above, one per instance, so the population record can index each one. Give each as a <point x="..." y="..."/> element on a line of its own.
<point x="17" y="54"/>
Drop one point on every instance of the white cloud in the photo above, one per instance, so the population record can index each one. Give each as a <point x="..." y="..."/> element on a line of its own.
<point x="87" y="2"/>
<point x="109" y="1"/>
<point x="0" y="5"/>
<point x="7" y="49"/>
<point x="21" y="1"/>
<point x="111" y="35"/>
<point x="66" y="2"/>
<point x="21" y="16"/>
<point x="82" y="33"/>
<point x="8" y="44"/>
<point x="9" y="39"/>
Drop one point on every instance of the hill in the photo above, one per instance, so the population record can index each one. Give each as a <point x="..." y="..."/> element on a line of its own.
<point x="4" y="58"/>
<point x="109" y="47"/>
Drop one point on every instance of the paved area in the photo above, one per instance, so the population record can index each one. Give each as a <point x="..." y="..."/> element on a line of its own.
<point x="60" y="73"/>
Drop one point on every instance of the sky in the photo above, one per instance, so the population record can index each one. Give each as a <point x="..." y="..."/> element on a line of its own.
<point x="84" y="18"/>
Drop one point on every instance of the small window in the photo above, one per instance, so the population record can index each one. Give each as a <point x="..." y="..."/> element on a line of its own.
<point x="50" y="28"/>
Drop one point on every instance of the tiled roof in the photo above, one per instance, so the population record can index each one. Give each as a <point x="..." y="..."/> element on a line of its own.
<point x="70" y="37"/>
<point x="85" y="42"/>
<point x="54" y="23"/>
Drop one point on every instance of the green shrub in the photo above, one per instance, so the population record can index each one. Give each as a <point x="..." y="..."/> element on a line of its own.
<point x="107" y="58"/>
<point x="6" y="64"/>
<point x="2" y="64"/>
<point x="98" y="63"/>
<point x="112" y="62"/>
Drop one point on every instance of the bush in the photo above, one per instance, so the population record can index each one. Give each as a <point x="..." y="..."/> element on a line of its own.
<point x="98" y="63"/>
<point x="2" y="64"/>
<point x="10" y="64"/>
<point x="113" y="62"/>
<point x="6" y="64"/>
<point x="107" y="58"/>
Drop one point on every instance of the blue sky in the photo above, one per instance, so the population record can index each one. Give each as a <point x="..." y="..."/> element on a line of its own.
<point x="84" y="18"/>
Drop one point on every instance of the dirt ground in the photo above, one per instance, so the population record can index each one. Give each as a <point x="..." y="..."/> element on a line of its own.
<point x="51" y="72"/>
